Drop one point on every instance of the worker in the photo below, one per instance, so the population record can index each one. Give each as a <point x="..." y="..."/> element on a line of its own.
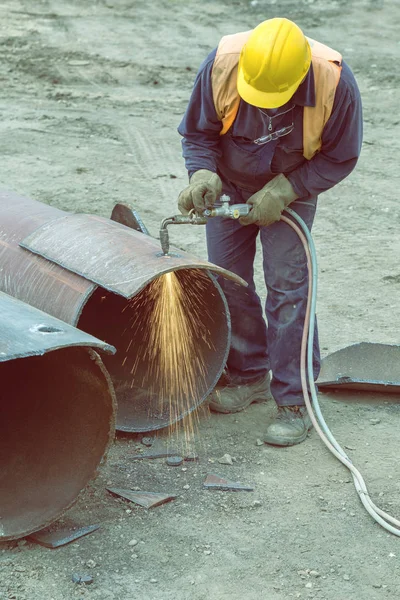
<point x="274" y="119"/>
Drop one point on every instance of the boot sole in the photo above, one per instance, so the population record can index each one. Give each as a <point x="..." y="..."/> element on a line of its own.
<point x="227" y="411"/>
<point x="282" y="441"/>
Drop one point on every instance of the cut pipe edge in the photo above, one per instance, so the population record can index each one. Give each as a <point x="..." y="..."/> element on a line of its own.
<point x="58" y="410"/>
<point x="53" y="435"/>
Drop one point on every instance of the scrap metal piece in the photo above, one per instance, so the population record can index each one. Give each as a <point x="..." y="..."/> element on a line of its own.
<point x="174" y="461"/>
<point x="365" y="366"/>
<point x="215" y="482"/>
<point x="191" y="457"/>
<point x="155" y="453"/>
<point x="86" y="579"/>
<point x="126" y="215"/>
<point x="146" y="499"/>
<point x="60" y="537"/>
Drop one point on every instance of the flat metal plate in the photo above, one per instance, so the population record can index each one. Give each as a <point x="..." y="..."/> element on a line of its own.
<point x="126" y="215"/>
<point x="26" y="331"/>
<point x="157" y="450"/>
<point x="146" y="499"/>
<point x="115" y="257"/>
<point x="365" y="366"/>
<point x="215" y="482"/>
<point x="51" y="538"/>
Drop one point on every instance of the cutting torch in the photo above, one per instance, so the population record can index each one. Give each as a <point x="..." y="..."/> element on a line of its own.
<point x="224" y="209"/>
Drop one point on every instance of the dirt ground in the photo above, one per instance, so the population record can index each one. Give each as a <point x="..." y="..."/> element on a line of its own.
<point x="91" y="96"/>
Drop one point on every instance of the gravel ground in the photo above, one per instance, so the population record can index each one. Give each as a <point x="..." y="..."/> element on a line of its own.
<point x="92" y="93"/>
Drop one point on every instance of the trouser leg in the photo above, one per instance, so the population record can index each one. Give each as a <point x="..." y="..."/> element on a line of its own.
<point x="233" y="246"/>
<point x="286" y="278"/>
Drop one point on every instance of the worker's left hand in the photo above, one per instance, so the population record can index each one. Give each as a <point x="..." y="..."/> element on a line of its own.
<point x="268" y="203"/>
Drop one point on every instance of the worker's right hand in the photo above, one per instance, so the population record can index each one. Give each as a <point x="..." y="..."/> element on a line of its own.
<point x="203" y="190"/>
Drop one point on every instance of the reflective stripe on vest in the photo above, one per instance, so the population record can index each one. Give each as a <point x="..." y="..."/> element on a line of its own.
<point x="326" y="77"/>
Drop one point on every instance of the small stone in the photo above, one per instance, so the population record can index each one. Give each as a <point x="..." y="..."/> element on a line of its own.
<point x="374" y="421"/>
<point x="133" y="543"/>
<point x="309" y="585"/>
<point x="314" y="573"/>
<point x="257" y="503"/>
<point x="78" y="63"/>
<point x="147" y="441"/>
<point x="174" y="461"/>
<point x="91" y="563"/>
<point x="153" y="580"/>
<point x="226" y="459"/>
<point x="259" y="442"/>
<point x="186" y="487"/>
<point x="346" y="577"/>
<point x="86" y="579"/>
<point x="134" y="555"/>
<point x="377" y="585"/>
<point x="207" y="552"/>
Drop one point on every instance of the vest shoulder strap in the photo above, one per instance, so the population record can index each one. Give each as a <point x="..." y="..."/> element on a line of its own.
<point x="224" y="76"/>
<point x="327" y="68"/>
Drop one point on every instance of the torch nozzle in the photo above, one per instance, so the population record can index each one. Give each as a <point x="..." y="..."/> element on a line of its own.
<point x="191" y="219"/>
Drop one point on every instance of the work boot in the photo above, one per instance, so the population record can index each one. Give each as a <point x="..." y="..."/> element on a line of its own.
<point x="290" y="427"/>
<point x="231" y="398"/>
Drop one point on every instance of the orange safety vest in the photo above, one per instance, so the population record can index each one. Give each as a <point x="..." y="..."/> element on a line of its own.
<point x="326" y="66"/>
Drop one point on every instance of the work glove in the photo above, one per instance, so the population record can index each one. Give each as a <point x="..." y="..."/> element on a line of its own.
<point x="205" y="187"/>
<point x="268" y="203"/>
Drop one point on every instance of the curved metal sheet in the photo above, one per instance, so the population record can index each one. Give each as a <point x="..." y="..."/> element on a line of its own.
<point x="31" y="278"/>
<point x="26" y="331"/>
<point x="365" y="366"/>
<point x="115" y="257"/>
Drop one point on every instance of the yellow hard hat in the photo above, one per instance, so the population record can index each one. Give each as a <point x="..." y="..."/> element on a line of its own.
<point x="273" y="63"/>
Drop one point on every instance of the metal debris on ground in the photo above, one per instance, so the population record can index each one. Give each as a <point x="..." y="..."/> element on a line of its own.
<point x="60" y="537"/>
<point x="191" y="457"/>
<point x="365" y="366"/>
<point x="86" y="579"/>
<point x="157" y="450"/>
<point x="146" y="499"/>
<point x="215" y="482"/>
<point x="174" y="461"/>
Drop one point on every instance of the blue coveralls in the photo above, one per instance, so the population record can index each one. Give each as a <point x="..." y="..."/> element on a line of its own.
<point x="244" y="168"/>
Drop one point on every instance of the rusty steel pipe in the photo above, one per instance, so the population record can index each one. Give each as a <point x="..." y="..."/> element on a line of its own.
<point x="90" y="271"/>
<point x="57" y="408"/>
